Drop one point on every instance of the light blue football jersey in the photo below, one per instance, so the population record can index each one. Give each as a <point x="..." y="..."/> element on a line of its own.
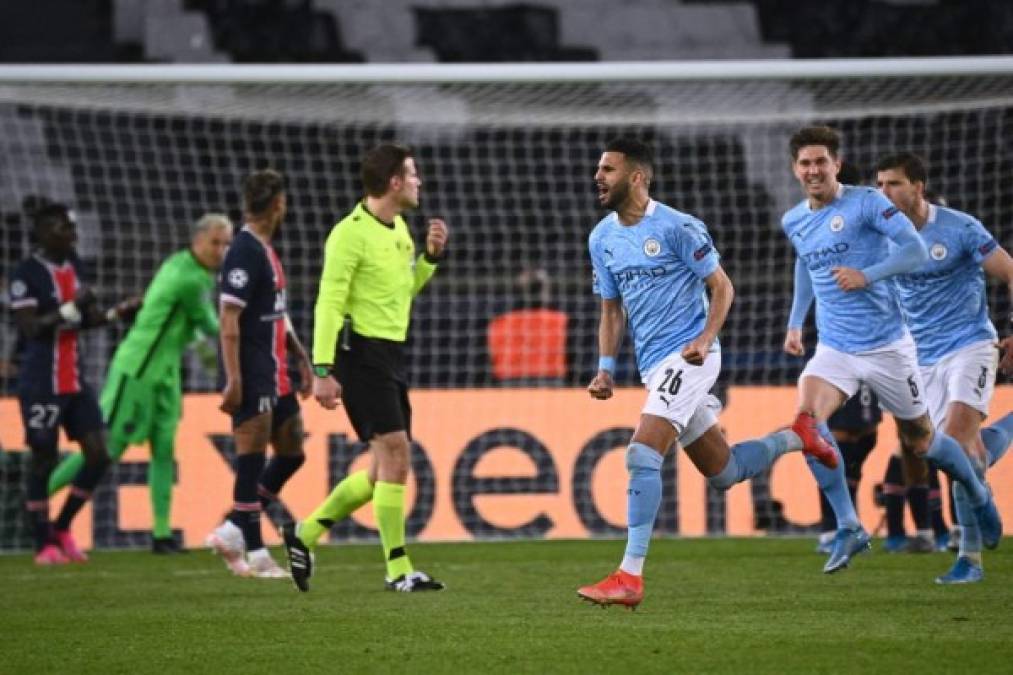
<point x="657" y="267"/>
<point x="851" y="231"/>
<point x="944" y="300"/>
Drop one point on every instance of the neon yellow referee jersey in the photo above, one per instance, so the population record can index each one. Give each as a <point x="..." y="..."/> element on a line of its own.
<point x="371" y="274"/>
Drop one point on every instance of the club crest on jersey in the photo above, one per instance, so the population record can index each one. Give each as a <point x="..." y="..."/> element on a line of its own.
<point x="18" y="289"/>
<point x="652" y="247"/>
<point x="837" y="223"/>
<point x="938" y="251"/>
<point x="238" y="277"/>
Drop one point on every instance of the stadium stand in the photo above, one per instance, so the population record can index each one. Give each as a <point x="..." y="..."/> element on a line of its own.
<point x="275" y="31"/>
<point x="888" y="27"/>
<point x="508" y="33"/>
<point x="349" y="31"/>
<point x="650" y="30"/>
<point x="51" y="31"/>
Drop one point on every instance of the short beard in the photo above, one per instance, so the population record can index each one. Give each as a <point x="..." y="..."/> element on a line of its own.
<point x="617" y="196"/>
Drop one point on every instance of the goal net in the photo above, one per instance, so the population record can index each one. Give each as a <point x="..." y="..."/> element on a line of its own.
<point x="507" y="444"/>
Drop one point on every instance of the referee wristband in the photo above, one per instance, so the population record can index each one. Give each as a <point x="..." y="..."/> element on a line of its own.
<point x="322" y="371"/>
<point x="607" y="363"/>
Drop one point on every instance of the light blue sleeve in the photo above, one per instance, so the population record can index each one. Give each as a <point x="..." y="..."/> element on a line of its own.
<point x="880" y="213"/>
<point x="694" y="246"/>
<point x="802" y="298"/>
<point x="977" y="241"/>
<point x="907" y="257"/>
<point x="603" y="283"/>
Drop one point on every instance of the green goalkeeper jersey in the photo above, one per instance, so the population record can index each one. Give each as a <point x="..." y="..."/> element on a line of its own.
<point x="176" y="306"/>
<point x="371" y="274"/>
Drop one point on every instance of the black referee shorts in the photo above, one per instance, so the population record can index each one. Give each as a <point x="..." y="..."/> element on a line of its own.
<point x="374" y="386"/>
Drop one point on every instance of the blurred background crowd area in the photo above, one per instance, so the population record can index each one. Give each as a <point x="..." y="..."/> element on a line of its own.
<point x="351" y="31"/>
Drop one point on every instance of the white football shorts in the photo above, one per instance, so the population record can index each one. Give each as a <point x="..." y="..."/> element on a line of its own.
<point x="891" y="371"/>
<point x="677" y="391"/>
<point x="966" y="375"/>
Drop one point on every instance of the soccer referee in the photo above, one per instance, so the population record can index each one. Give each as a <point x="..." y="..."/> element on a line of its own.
<point x="142" y="396"/>
<point x="370" y="275"/>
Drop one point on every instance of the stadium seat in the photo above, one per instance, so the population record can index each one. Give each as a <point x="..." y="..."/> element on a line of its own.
<point x="181" y="38"/>
<point x="51" y="31"/>
<point x="510" y="33"/>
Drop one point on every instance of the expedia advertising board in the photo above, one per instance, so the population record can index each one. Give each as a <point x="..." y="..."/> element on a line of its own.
<point x="488" y="463"/>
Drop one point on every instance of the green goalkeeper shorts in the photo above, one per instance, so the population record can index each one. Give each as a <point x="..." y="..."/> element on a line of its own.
<point x="134" y="408"/>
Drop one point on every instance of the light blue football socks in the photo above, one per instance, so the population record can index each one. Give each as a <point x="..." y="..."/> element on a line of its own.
<point x="749" y="458"/>
<point x="948" y="456"/>
<point x="834" y="484"/>
<point x="996" y="438"/>
<point x="642" y="501"/>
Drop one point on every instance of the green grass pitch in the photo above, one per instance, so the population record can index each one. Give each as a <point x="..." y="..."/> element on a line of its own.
<point x="711" y="606"/>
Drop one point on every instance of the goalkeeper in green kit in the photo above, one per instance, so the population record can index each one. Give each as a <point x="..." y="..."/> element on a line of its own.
<point x="142" y="397"/>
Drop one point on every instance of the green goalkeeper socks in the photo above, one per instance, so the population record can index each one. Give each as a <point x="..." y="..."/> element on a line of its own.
<point x="347" y="496"/>
<point x="67" y="470"/>
<point x="388" y="507"/>
<point x="160" y="477"/>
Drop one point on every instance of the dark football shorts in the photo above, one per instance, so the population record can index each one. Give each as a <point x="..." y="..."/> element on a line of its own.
<point x="281" y="408"/>
<point x="374" y="387"/>
<point x="858" y="413"/>
<point x="43" y="413"/>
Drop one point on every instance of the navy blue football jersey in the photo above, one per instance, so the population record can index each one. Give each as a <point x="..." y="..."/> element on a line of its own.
<point x="252" y="278"/>
<point x="51" y="363"/>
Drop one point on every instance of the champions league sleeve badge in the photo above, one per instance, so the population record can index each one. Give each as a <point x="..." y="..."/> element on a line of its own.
<point x="238" y="277"/>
